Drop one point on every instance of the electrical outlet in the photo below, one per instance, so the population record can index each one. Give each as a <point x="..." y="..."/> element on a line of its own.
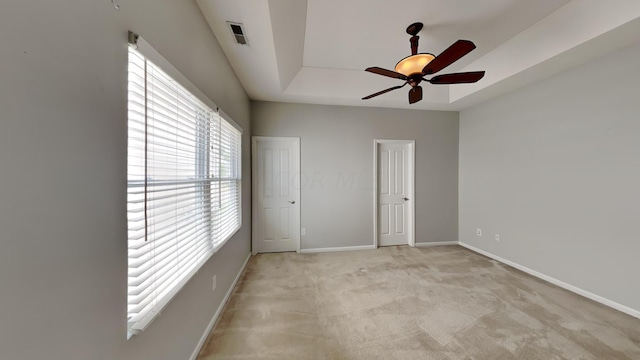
<point x="303" y="231"/>
<point x="479" y="232"/>
<point x="213" y="283"/>
<point x="497" y="237"/>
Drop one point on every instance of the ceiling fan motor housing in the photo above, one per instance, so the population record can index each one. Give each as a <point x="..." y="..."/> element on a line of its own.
<point x="414" y="79"/>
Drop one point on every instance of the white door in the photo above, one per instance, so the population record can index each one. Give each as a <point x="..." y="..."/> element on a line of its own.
<point x="276" y="194"/>
<point x="395" y="192"/>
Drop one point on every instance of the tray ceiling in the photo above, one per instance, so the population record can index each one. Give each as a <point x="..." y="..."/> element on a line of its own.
<point x="315" y="51"/>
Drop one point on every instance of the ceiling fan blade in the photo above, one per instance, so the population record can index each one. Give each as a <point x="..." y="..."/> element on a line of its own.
<point x="415" y="94"/>
<point x="453" y="53"/>
<point x="385" y="72"/>
<point x="383" y="91"/>
<point x="457" y="78"/>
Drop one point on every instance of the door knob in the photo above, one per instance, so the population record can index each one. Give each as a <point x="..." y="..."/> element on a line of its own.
<point x="406" y="199"/>
<point x="291" y="202"/>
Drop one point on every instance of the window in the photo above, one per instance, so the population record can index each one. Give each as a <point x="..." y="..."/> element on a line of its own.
<point x="183" y="187"/>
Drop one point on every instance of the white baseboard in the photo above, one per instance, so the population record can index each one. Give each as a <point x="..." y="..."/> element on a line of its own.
<point x="342" y="248"/>
<point x="213" y="321"/>
<point x="437" y="243"/>
<point x="371" y="247"/>
<point x="562" y="284"/>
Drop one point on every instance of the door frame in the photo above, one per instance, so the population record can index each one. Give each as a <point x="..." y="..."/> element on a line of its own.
<point x="254" y="187"/>
<point x="411" y="176"/>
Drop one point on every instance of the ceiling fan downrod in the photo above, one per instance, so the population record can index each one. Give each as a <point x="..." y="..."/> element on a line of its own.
<point x="413" y="30"/>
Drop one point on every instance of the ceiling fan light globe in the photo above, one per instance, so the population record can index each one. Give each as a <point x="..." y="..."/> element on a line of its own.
<point x="413" y="64"/>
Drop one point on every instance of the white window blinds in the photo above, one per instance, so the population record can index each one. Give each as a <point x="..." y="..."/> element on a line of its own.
<point x="183" y="199"/>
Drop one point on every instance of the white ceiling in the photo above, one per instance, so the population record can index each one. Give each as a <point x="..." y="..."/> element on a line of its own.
<point x="315" y="51"/>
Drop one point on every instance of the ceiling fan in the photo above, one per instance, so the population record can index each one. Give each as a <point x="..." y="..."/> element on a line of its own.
<point x="414" y="68"/>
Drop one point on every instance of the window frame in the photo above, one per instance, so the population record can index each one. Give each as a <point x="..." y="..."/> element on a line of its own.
<point x="202" y="163"/>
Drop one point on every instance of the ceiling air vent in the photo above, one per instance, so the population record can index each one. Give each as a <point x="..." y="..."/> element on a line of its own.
<point x="238" y="33"/>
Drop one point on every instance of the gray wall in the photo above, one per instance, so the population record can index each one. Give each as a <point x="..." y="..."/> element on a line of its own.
<point x="555" y="169"/>
<point x="337" y="167"/>
<point x="63" y="136"/>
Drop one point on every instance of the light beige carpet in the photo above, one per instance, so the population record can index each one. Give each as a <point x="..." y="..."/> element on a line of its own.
<point x="410" y="303"/>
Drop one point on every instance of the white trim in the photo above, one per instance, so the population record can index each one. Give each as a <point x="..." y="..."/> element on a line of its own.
<point x="560" y="283"/>
<point x="334" y="249"/>
<point x="436" y="243"/>
<point x="254" y="187"/>
<point x="213" y="321"/>
<point x="412" y="186"/>
<point x="375" y="194"/>
<point x="254" y="191"/>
